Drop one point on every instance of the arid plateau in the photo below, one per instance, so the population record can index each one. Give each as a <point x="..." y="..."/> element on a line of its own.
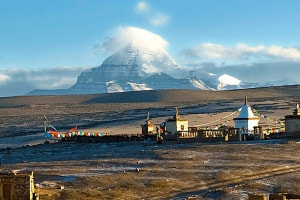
<point x="145" y="169"/>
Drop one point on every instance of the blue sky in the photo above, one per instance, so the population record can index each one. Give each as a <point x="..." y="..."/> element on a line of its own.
<point x="44" y="37"/>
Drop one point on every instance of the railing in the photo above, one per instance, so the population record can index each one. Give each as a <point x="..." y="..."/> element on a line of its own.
<point x="187" y="134"/>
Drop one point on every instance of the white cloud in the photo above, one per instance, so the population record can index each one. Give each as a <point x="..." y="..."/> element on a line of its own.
<point x="141" y="36"/>
<point x="242" y="53"/>
<point x="4" y="78"/>
<point x="126" y="35"/>
<point x="285" y="53"/>
<point x="159" y="19"/>
<point x="15" y="82"/>
<point x="142" y="6"/>
<point x="153" y="16"/>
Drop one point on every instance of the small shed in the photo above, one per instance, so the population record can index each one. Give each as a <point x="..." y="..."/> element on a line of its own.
<point x="246" y="121"/>
<point x="16" y="185"/>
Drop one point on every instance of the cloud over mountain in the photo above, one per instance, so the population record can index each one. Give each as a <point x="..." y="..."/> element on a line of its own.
<point x="126" y="35"/>
<point x="263" y="74"/>
<point x="143" y="64"/>
<point x="142" y="55"/>
<point x="15" y="82"/>
<point x="241" y="53"/>
<point x="4" y="78"/>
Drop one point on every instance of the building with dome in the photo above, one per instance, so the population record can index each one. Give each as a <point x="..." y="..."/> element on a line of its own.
<point x="246" y="121"/>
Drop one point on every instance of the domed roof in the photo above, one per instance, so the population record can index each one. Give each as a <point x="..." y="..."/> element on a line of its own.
<point x="246" y="111"/>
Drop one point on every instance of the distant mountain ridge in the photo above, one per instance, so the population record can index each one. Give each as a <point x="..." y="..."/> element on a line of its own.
<point x="136" y="68"/>
<point x="133" y="68"/>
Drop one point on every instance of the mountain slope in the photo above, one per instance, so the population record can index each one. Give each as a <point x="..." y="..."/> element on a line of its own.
<point x="137" y="67"/>
<point x="126" y="70"/>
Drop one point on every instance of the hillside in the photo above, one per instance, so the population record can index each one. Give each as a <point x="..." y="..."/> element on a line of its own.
<point x="24" y="114"/>
<point x="154" y="96"/>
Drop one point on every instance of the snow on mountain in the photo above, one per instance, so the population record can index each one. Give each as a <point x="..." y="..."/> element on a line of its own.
<point x="226" y="80"/>
<point x="139" y="87"/>
<point x="136" y="60"/>
<point x="142" y="63"/>
<point x="112" y="87"/>
<point x="129" y="70"/>
<point x="197" y="83"/>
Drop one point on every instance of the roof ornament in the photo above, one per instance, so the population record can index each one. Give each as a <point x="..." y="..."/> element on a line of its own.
<point x="246" y="99"/>
<point x="176" y="115"/>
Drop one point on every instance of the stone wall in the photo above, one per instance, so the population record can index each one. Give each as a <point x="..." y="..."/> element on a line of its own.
<point x="16" y="186"/>
<point x="292" y="124"/>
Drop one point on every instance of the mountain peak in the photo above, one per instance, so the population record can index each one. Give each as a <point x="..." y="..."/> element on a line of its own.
<point x="144" y="60"/>
<point x="128" y="69"/>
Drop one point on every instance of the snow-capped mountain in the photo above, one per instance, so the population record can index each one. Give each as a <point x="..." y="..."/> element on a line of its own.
<point x="227" y="80"/>
<point x="134" y="68"/>
<point x="138" y="67"/>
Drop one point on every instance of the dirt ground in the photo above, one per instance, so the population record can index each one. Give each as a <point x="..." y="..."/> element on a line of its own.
<point x="144" y="169"/>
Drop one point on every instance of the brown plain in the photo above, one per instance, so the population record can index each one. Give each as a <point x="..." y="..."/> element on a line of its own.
<point x="145" y="170"/>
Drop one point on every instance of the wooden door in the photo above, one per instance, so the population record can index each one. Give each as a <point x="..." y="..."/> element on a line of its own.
<point x="7" y="191"/>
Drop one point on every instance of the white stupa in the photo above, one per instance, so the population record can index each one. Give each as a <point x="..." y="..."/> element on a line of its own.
<point x="246" y="119"/>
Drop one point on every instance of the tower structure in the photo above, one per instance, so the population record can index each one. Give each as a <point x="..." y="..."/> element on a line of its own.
<point x="148" y="127"/>
<point x="292" y="122"/>
<point x="246" y="119"/>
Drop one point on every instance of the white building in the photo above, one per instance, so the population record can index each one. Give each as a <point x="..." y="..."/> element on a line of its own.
<point x="246" y="121"/>
<point x="175" y="124"/>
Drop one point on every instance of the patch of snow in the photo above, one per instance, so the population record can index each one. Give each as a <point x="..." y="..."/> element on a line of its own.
<point x="148" y="68"/>
<point x="198" y="84"/>
<point x="139" y="87"/>
<point x="225" y="80"/>
<point x="113" y="87"/>
<point x="110" y="82"/>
